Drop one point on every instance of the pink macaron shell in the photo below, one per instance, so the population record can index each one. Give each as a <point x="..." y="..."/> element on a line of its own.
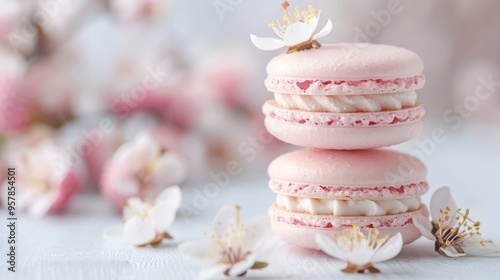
<point x="300" y="228"/>
<point x="322" y="191"/>
<point x="346" y="68"/>
<point x="365" y="169"/>
<point x="343" y="131"/>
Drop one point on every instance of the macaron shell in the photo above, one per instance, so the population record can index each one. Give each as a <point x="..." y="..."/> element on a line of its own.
<point x="347" y="62"/>
<point x="322" y="191"/>
<point x="305" y="236"/>
<point x="300" y="228"/>
<point x="359" y="168"/>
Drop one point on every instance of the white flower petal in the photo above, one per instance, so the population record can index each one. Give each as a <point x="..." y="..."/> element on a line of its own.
<point x="424" y="226"/>
<point x="258" y="230"/>
<point x="199" y="250"/>
<point x="325" y="31"/>
<point x="163" y="215"/>
<point x="115" y="234"/>
<point x="451" y="252"/>
<point x="226" y="216"/>
<point x="361" y="256"/>
<point x="479" y="250"/>
<point x="267" y="44"/>
<point x="314" y="23"/>
<point x="135" y="206"/>
<point x="441" y="199"/>
<point x="242" y="266"/>
<point x="139" y="232"/>
<point x="172" y="195"/>
<point x="390" y="249"/>
<point x="171" y="169"/>
<point x="213" y="272"/>
<point x="297" y="33"/>
<point x="330" y="247"/>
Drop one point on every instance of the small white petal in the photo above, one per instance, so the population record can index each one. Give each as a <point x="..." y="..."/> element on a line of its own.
<point x="242" y="266"/>
<point x="479" y="250"/>
<point x="361" y="256"/>
<point x="390" y="249"/>
<point x="267" y="44"/>
<point x="424" y="226"/>
<point x="440" y="200"/>
<point x="199" y="250"/>
<point x="314" y="22"/>
<point x="451" y="252"/>
<point x="257" y="231"/>
<point x="330" y="247"/>
<point x="297" y="33"/>
<point x="226" y="216"/>
<point x="171" y="195"/>
<point x="114" y="234"/>
<point x="163" y="215"/>
<point x="325" y="31"/>
<point x="139" y="232"/>
<point x="213" y="272"/>
<point x="134" y="206"/>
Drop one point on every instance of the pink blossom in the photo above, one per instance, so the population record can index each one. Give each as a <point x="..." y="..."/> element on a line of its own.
<point x="45" y="183"/>
<point x="141" y="168"/>
<point x="15" y="101"/>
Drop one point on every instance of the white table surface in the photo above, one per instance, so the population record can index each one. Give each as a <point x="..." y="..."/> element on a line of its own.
<point x="70" y="246"/>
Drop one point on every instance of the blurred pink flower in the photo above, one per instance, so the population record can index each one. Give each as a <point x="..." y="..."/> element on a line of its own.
<point x="174" y="105"/>
<point x="45" y="183"/>
<point x="15" y="101"/>
<point x="9" y="13"/>
<point x="141" y="168"/>
<point x="131" y="11"/>
<point x="53" y="89"/>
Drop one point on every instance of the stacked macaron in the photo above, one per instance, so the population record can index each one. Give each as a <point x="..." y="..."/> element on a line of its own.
<point x="340" y="101"/>
<point x="345" y="96"/>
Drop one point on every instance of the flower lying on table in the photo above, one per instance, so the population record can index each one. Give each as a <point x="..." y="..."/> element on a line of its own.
<point x="454" y="232"/>
<point x="360" y="251"/>
<point x="146" y="224"/>
<point x="233" y="247"/>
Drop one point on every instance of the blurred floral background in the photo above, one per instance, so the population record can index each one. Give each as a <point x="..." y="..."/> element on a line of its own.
<point x="126" y="97"/>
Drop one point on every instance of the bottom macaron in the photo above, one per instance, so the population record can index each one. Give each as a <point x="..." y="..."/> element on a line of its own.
<point x="300" y="228"/>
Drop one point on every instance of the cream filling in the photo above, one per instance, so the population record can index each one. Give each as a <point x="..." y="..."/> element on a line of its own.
<point x="347" y="103"/>
<point x="341" y="207"/>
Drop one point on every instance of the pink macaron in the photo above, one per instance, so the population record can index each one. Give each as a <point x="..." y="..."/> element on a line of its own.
<point x="345" y="96"/>
<point x="326" y="191"/>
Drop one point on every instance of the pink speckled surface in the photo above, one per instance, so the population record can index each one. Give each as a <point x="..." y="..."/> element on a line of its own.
<point x="328" y="87"/>
<point x="359" y="168"/>
<point x="348" y="192"/>
<point x="346" y="68"/>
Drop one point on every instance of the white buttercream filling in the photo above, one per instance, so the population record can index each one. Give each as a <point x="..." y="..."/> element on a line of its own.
<point x="341" y="207"/>
<point x="347" y="103"/>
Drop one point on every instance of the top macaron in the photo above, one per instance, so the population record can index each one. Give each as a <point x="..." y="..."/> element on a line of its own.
<point x="345" y="96"/>
<point x="346" y="68"/>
